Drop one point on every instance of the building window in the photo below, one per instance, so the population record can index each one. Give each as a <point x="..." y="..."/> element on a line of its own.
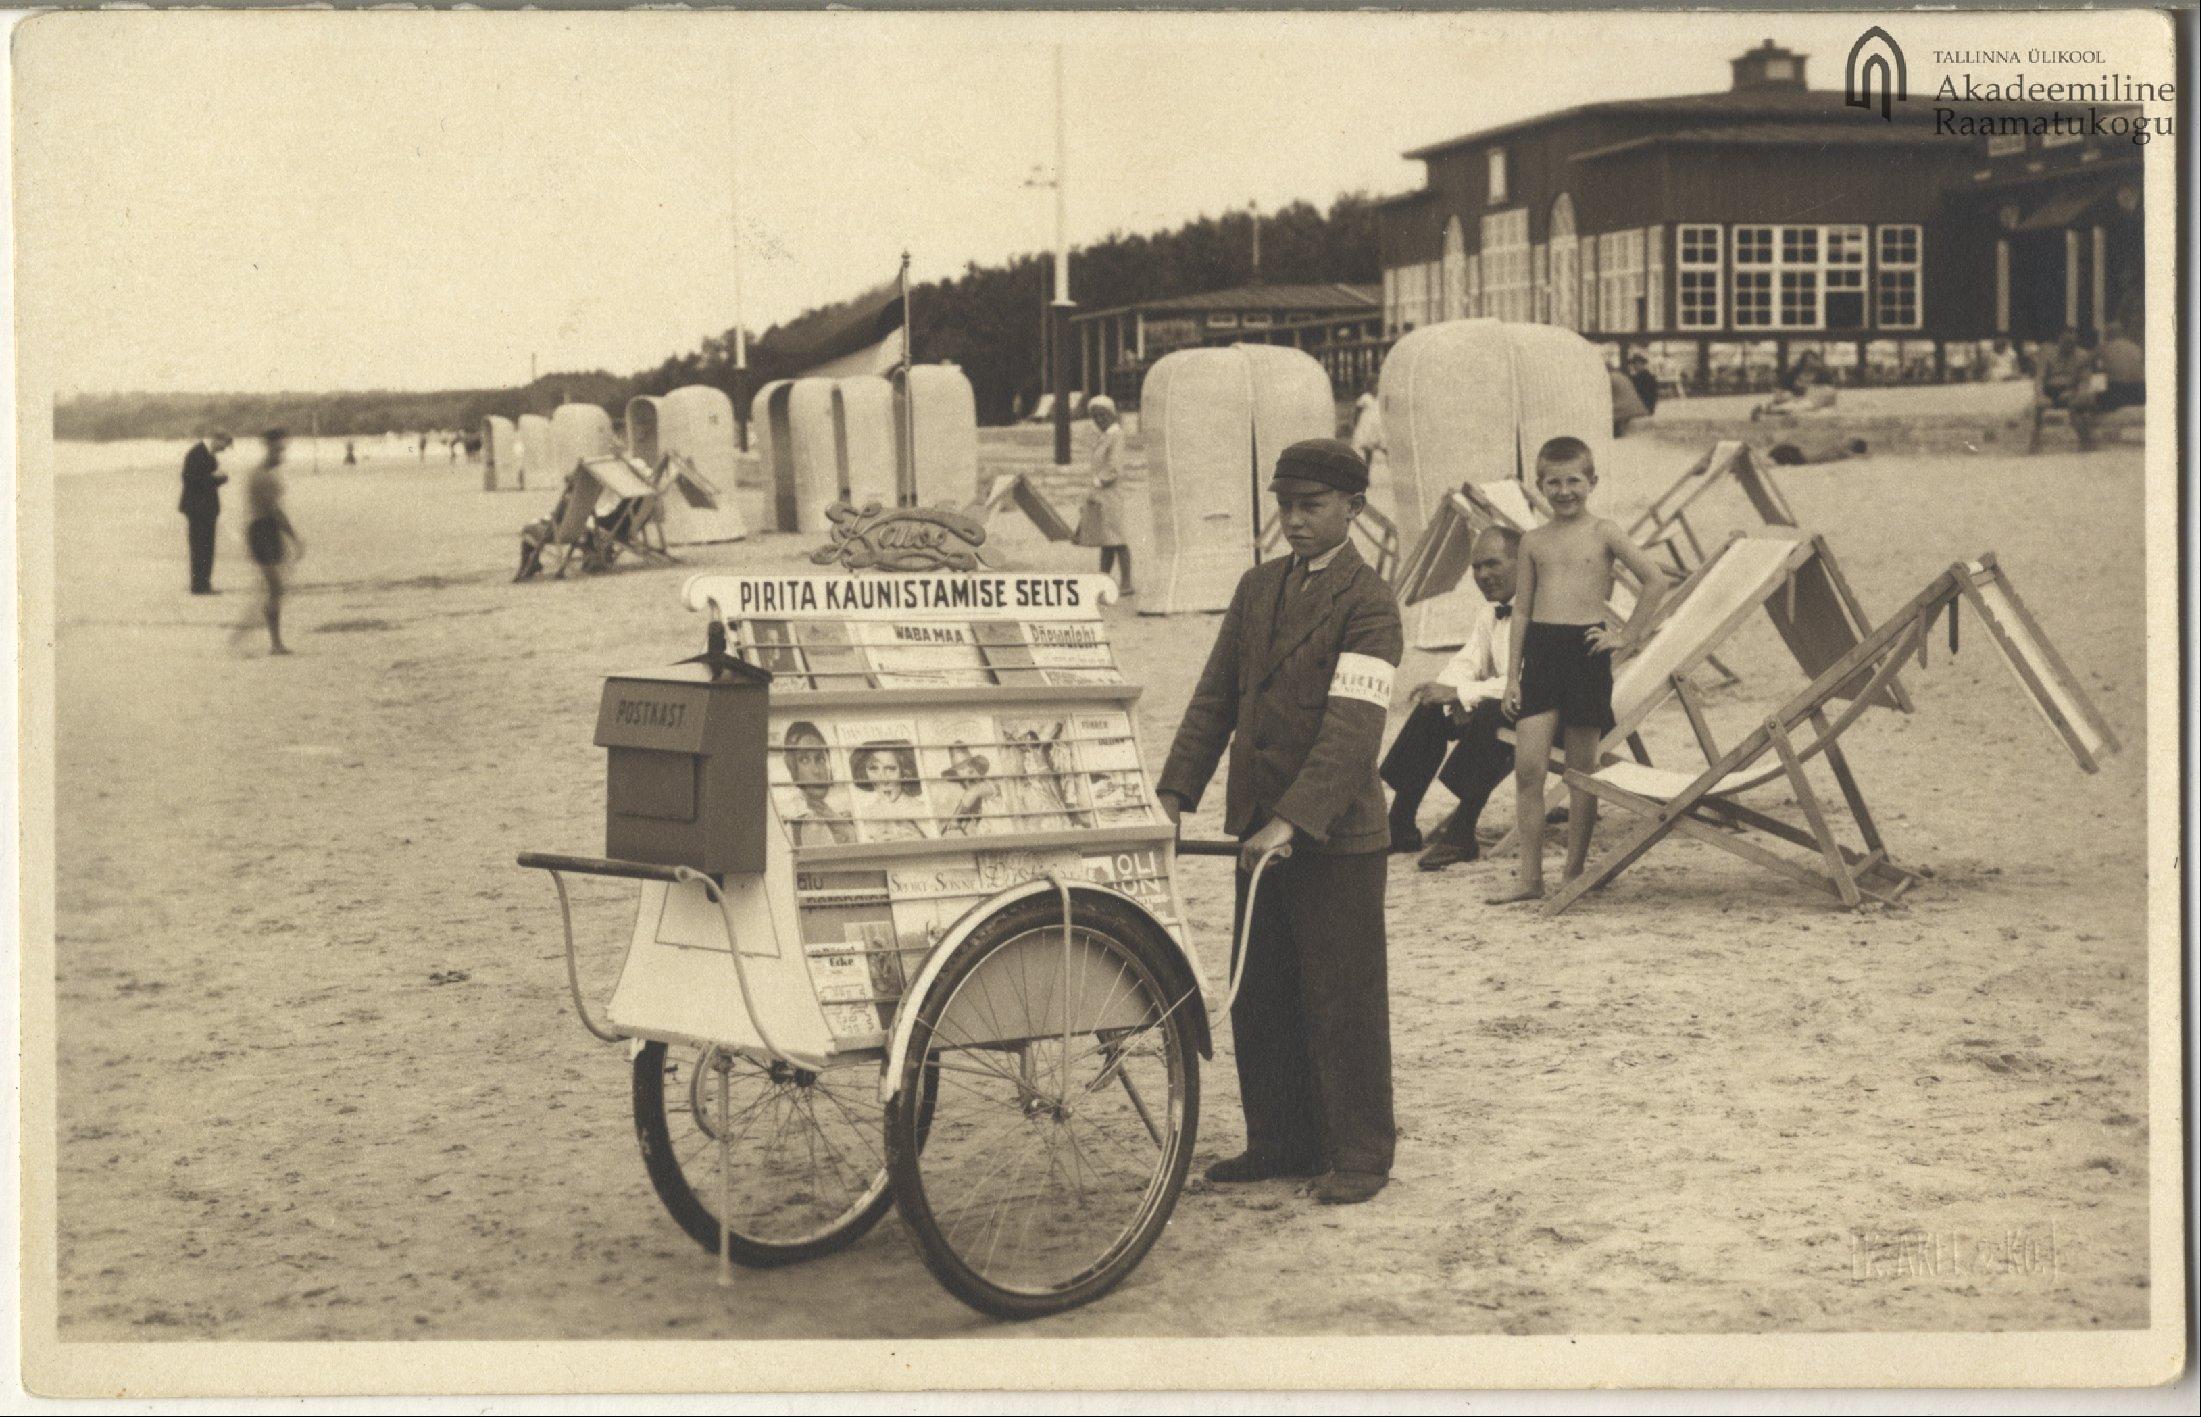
<point x="1473" y="305"/>
<point x="1455" y="270"/>
<point x="1620" y="282"/>
<point x="1809" y="277"/>
<point x="2005" y="144"/>
<point x="1845" y="277"/>
<point x="1566" y="275"/>
<point x="1507" y="293"/>
<point x="1219" y="321"/>
<point x="1589" y="284"/>
<point x="1540" y="277"/>
<point x="1390" y="299"/>
<point x="2062" y="136"/>
<point x="1258" y="320"/>
<point x="1697" y="264"/>
<point x="1654" y="278"/>
<point x="1497" y="159"/>
<point x="1898" y="303"/>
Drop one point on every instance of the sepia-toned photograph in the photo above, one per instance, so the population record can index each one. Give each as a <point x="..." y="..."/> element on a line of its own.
<point x="1324" y="700"/>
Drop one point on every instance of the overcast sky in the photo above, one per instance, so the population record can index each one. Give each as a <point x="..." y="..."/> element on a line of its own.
<point x="267" y="201"/>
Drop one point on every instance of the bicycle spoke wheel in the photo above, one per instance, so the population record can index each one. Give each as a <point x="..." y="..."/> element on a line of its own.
<point x="1068" y="1094"/>
<point x="806" y="1174"/>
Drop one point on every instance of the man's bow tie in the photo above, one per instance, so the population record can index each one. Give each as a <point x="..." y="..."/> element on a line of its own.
<point x="1503" y="612"/>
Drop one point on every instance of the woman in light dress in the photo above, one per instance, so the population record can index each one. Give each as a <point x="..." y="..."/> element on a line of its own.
<point x="1101" y="523"/>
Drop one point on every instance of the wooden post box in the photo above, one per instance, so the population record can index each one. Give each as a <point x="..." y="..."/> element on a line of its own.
<point x="686" y="779"/>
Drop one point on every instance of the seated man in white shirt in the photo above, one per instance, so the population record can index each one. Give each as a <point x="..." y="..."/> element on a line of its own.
<point x="1461" y="707"/>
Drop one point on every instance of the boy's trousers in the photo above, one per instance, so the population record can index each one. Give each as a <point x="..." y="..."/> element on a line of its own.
<point x="1312" y="1026"/>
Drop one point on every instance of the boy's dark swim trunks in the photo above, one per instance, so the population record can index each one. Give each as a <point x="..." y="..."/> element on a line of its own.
<point x="1561" y="673"/>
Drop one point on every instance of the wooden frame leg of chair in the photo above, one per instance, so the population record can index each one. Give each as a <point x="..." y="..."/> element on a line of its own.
<point x="1829" y="849"/>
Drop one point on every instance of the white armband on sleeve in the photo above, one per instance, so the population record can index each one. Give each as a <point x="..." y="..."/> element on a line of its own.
<point x="1363" y="677"/>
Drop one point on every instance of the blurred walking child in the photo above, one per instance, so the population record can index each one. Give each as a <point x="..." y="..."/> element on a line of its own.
<point x="1559" y="682"/>
<point x="269" y="537"/>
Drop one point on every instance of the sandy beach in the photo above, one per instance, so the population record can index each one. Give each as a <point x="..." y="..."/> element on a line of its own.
<point x="319" y="1078"/>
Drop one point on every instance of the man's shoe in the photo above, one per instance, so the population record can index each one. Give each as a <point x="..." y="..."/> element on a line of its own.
<point x="1449" y="853"/>
<point x="1250" y="1166"/>
<point x="1405" y="836"/>
<point x="1349" y="1187"/>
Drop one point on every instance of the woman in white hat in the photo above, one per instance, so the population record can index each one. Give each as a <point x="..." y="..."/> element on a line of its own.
<point x="1101" y="522"/>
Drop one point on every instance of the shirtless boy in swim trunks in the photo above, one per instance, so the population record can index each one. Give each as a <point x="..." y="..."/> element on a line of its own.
<point x="1559" y="684"/>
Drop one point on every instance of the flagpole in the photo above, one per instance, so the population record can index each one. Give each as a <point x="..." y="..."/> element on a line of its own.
<point x="909" y="398"/>
<point x="740" y="391"/>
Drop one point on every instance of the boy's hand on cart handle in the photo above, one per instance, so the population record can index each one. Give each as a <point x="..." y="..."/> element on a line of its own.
<point x="1275" y="836"/>
<point x="1173" y="807"/>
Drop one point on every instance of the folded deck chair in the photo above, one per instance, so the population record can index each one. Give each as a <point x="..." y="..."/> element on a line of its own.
<point x="1017" y="489"/>
<point x="1795" y="581"/>
<point x="1665" y="523"/>
<point x="1703" y="804"/>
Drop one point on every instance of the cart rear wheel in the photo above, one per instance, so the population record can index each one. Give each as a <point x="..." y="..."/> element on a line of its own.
<point x="1068" y="1096"/>
<point x="808" y="1175"/>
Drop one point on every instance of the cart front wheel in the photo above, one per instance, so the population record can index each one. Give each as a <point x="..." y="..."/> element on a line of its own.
<point x="805" y="1175"/>
<point x="1068" y="1095"/>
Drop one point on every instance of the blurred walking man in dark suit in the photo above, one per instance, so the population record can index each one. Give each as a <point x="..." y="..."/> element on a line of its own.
<point x="1298" y="686"/>
<point x="201" y="506"/>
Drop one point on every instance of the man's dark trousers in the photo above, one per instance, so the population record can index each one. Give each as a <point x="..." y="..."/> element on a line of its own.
<point x="1479" y="762"/>
<point x="1317" y="953"/>
<point x="202" y="551"/>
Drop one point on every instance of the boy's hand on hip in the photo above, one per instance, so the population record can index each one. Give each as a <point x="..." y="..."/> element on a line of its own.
<point x="1609" y="640"/>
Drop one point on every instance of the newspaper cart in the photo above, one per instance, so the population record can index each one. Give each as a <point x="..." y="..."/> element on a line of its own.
<point x="908" y="934"/>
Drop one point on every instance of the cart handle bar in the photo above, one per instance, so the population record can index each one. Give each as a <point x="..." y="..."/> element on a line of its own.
<point x="557" y="864"/>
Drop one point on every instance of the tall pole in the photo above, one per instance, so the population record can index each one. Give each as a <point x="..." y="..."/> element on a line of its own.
<point x="1060" y="343"/>
<point x="908" y="488"/>
<point x="740" y="390"/>
<point x="1254" y="210"/>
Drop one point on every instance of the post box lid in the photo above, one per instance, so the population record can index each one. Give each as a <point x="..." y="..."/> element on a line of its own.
<point x="660" y="708"/>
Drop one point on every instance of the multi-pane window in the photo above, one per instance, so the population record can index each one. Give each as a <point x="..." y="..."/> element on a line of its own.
<point x="1654" y="278"/>
<point x="1897" y="303"/>
<point x="1455" y="271"/>
<point x="1845" y="277"/>
<point x="1697" y="253"/>
<point x="1620" y="281"/>
<point x="1474" y="304"/>
<point x="1813" y="277"/>
<point x="1507" y="292"/>
<point x="1497" y="160"/>
<point x="1540" y="277"/>
<point x="1566" y="276"/>
<point x="1589" y="284"/>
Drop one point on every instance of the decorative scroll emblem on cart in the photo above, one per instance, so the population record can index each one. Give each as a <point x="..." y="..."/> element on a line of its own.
<point x="901" y="539"/>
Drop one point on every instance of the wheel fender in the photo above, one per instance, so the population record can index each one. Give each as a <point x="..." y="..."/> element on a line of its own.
<point x="1182" y="977"/>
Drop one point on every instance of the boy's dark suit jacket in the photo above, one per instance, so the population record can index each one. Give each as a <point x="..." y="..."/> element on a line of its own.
<point x="1295" y="751"/>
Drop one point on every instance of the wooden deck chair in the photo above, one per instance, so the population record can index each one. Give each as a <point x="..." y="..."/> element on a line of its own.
<point x="630" y="512"/>
<point x="1794" y="580"/>
<point x="1017" y="489"/>
<point x="1377" y="537"/>
<point x="1703" y="806"/>
<point x="1665" y="524"/>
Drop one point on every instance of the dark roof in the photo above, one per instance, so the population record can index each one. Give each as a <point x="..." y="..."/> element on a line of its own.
<point x="1793" y="135"/>
<point x="1308" y="298"/>
<point x="1756" y="105"/>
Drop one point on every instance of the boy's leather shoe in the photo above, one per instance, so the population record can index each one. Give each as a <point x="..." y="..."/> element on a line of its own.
<point x="1349" y="1187"/>
<point x="1252" y="1166"/>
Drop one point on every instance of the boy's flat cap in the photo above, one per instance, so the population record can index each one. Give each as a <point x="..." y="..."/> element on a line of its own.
<point x="1325" y="460"/>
